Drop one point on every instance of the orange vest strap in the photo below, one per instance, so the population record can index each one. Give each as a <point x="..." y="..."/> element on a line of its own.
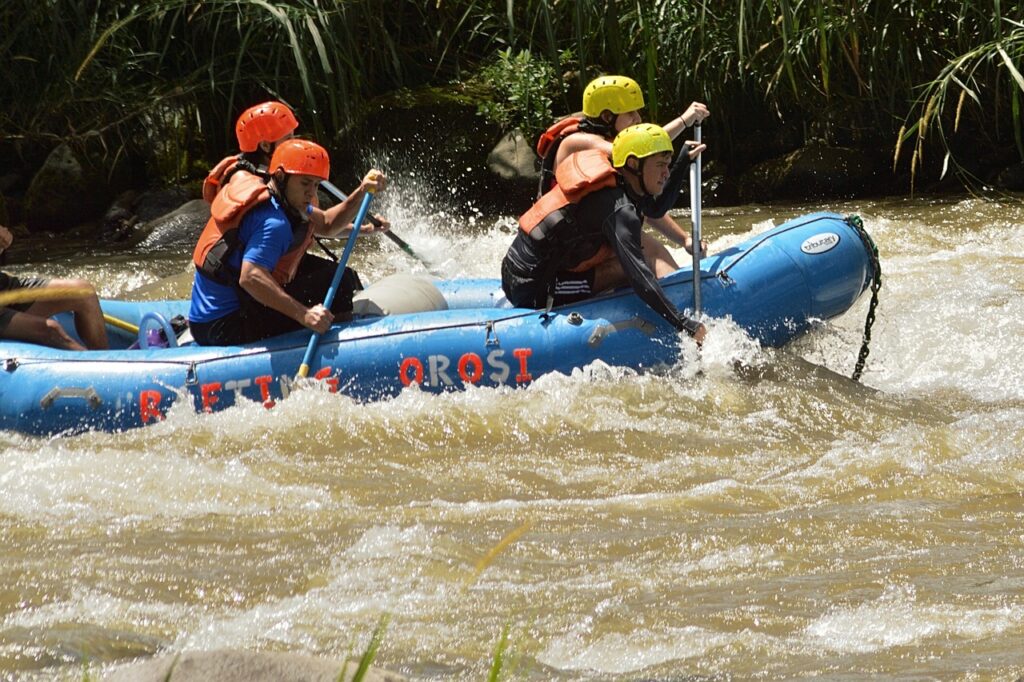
<point x="227" y="210"/>
<point x="579" y="175"/>
<point x="213" y="181"/>
<point x="558" y="130"/>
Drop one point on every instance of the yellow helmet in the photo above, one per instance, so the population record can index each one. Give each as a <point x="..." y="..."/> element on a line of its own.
<point x="617" y="94"/>
<point x="641" y="141"/>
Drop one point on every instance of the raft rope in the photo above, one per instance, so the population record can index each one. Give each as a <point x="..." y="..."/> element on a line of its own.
<point x="876" y="284"/>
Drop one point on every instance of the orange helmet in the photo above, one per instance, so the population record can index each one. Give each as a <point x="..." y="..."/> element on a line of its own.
<point x="267" y="122"/>
<point x="301" y="157"/>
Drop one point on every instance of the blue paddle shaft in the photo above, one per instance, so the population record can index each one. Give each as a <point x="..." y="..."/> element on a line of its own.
<point x="332" y="291"/>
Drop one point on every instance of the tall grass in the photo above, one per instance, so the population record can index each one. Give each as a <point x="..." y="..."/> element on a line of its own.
<point x="179" y="71"/>
<point x="984" y="86"/>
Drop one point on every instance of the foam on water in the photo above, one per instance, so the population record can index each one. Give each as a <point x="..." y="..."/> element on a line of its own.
<point x="896" y="618"/>
<point x="747" y="512"/>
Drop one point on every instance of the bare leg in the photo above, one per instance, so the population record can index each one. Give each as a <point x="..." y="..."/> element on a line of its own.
<point x="41" y="330"/>
<point x="657" y="256"/>
<point x="88" y="317"/>
<point x="610" y="274"/>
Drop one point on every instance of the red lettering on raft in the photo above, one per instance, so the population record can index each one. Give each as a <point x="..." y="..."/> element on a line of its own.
<point x="208" y="392"/>
<point x="522" y="354"/>
<point x="149" y="406"/>
<point x="331" y="382"/>
<point x="477" y="369"/>
<point x="417" y="368"/>
<point x="264" y="383"/>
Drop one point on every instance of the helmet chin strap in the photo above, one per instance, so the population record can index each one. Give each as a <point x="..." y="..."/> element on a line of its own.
<point x="638" y="173"/>
<point x="279" y="190"/>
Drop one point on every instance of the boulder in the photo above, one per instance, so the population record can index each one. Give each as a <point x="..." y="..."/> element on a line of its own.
<point x="181" y="227"/>
<point x="132" y="209"/>
<point x="243" y="666"/>
<point x="1011" y="178"/>
<point x="814" y="171"/>
<point x="513" y="158"/>
<point x="65" y="192"/>
<point x="434" y="135"/>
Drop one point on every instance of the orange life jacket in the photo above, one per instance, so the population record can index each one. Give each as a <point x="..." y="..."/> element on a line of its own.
<point x="579" y="175"/>
<point x="215" y="180"/>
<point x="547" y="149"/>
<point x="558" y="130"/>
<point x="220" y="236"/>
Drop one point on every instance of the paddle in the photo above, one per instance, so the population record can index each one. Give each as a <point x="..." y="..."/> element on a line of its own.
<point x="120" y="324"/>
<point x="42" y="294"/>
<point x="695" y="217"/>
<point x="401" y="243"/>
<point x="336" y="281"/>
<point x="55" y="293"/>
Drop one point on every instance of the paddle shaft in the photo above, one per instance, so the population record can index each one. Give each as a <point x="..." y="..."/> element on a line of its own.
<point x="331" y="189"/>
<point x="120" y="324"/>
<point x="695" y="217"/>
<point x="332" y="291"/>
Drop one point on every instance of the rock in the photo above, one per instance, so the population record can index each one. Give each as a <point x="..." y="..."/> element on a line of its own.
<point x="9" y="181"/>
<point x="152" y="204"/>
<point x="513" y="159"/>
<point x="132" y="208"/>
<point x="815" y="171"/>
<point x="180" y="227"/>
<point x="1011" y="178"/>
<point x="434" y="135"/>
<point x="243" y="666"/>
<point x="64" y="193"/>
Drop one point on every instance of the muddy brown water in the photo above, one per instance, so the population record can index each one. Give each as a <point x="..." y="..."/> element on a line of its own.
<point x="780" y="522"/>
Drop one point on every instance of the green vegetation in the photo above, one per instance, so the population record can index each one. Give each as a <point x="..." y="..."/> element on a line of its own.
<point x="519" y="86"/>
<point x="498" y="659"/>
<point x="164" y="80"/>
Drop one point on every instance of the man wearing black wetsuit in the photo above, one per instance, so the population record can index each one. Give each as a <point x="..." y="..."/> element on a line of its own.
<point x="583" y="237"/>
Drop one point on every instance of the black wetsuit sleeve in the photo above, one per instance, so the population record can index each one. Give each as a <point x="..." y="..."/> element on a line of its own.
<point x="656" y="207"/>
<point x="622" y="229"/>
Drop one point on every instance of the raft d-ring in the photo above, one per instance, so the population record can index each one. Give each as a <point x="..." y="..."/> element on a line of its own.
<point x="492" y="336"/>
<point x="172" y="338"/>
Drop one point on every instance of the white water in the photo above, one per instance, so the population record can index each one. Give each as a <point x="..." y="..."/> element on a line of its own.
<point x="780" y="523"/>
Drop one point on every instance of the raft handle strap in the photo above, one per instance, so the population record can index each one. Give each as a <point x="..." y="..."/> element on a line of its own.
<point x="88" y="394"/>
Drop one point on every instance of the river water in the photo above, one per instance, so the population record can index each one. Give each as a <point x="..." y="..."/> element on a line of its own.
<point x="777" y="521"/>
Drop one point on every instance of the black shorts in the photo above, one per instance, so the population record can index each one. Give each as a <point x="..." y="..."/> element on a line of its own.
<point x="255" y="321"/>
<point x="12" y="282"/>
<point x="531" y="292"/>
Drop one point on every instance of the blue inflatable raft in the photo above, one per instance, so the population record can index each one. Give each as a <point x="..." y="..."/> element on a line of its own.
<point x="774" y="286"/>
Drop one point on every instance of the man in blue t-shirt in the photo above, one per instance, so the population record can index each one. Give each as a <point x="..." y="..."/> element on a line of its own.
<point x="253" y="277"/>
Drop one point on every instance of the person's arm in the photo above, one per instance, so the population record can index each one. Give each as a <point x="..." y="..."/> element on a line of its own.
<point x="338" y="218"/>
<point x="261" y="285"/>
<point x="581" y="142"/>
<point x="622" y="229"/>
<point x="266" y="238"/>
<point x="694" y="114"/>
<point x="675" y="232"/>
<point x="6" y="238"/>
